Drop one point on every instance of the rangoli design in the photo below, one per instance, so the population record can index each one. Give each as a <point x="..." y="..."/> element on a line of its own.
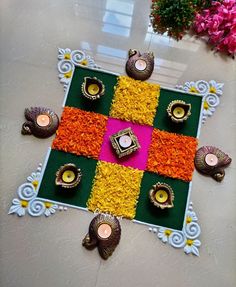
<point x="120" y="185"/>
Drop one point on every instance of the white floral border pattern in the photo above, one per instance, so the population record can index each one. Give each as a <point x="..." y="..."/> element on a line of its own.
<point x="187" y="238"/>
<point x="27" y="200"/>
<point x="211" y="91"/>
<point x="68" y="59"/>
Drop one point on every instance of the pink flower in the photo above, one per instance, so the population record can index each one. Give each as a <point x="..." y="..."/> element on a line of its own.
<point x="200" y="27"/>
<point x="215" y="4"/>
<point x="218" y="23"/>
<point x="206" y="13"/>
<point x="214" y="23"/>
<point x="229" y="3"/>
<point x="215" y="36"/>
<point x="230" y="42"/>
<point x="223" y="10"/>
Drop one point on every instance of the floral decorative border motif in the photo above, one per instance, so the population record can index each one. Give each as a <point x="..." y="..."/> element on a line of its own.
<point x="68" y="59"/>
<point x="211" y="91"/>
<point x="187" y="238"/>
<point x="27" y="201"/>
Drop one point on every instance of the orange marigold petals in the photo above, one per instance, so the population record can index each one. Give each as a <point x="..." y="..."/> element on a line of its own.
<point x="135" y="101"/>
<point x="172" y="155"/>
<point x="80" y="132"/>
<point x="113" y="190"/>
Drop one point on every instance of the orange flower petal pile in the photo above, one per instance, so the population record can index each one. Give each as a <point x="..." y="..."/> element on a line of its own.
<point x="115" y="190"/>
<point x="80" y="132"/>
<point x="135" y="101"/>
<point x="172" y="155"/>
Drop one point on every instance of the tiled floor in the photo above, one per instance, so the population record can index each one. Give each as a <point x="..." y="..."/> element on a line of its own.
<point x="48" y="252"/>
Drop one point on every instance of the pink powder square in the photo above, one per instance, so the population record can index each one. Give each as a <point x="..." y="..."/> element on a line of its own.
<point x="137" y="159"/>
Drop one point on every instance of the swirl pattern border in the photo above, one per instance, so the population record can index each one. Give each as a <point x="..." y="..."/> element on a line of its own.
<point x="27" y="201"/>
<point x="187" y="238"/>
<point x="68" y="59"/>
<point x="211" y="91"/>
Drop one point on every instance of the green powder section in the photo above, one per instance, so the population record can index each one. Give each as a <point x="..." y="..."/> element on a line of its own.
<point x="170" y="217"/>
<point x="76" y="99"/>
<point x="163" y="122"/>
<point x="77" y="196"/>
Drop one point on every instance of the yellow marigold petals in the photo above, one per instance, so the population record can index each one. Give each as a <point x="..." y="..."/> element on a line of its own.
<point x="113" y="190"/>
<point x="135" y="101"/>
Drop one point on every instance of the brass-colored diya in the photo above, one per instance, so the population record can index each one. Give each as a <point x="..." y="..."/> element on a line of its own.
<point x="124" y="142"/>
<point x="92" y="88"/>
<point x="179" y="111"/>
<point x="162" y="195"/>
<point x="68" y="176"/>
<point x="41" y="122"/>
<point x="211" y="161"/>
<point x="140" y="66"/>
<point x="104" y="233"/>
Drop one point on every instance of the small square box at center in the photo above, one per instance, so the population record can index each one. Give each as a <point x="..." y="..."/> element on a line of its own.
<point x="124" y="142"/>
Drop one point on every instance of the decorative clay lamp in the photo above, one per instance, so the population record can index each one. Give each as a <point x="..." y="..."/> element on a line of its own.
<point x="161" y="195"/>
<point x="92" y="88"/>
<point x="179" y="111"/>
<point x="124" y="142"/>
<point x="104" y="233"/>
<point x="68" y="176"/>
<point x="41" y="122"/>
<point x="140" y="66"/>
<point x="211" y="161"/>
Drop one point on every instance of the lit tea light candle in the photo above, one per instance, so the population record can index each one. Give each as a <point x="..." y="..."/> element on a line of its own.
<point x="161" y="196"/>
<point x="68" y="176"/>
<point x="211" y="159"/>
<point x="93" y="89"/>
<point x="140" y="65"/>
<point x="104" y="230"/>
<point x="43" y="120"/>
<point x="178" y="112"/>
<point x="125" y="141"/>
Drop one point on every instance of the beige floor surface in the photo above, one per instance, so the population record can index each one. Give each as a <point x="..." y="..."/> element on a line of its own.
<point x="37" y="252"/>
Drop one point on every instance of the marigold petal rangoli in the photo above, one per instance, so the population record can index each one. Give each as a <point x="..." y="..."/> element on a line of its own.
<point x="135" y="101"/>
<point x="172" y="155"/>
<point x="113" y="191"/>
<point x="120" y="186"/>
<point x="80" y="132"/>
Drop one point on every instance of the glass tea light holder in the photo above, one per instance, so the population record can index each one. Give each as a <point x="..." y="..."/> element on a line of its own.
<point x="124" y="142"/>
<point x="92" y="88"/>
<point x="68" y="176"/>
<point x="161" y="195"/>
<point x="179" y="111"/>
